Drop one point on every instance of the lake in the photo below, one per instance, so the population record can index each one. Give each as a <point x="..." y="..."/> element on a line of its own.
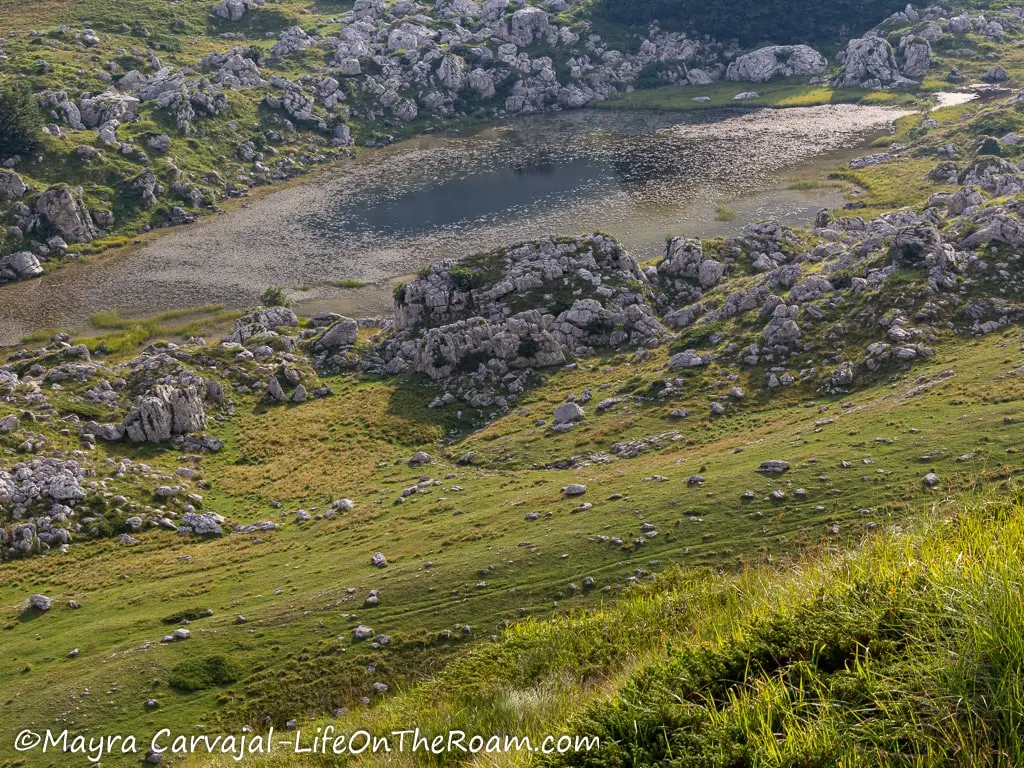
<point x="639" y="176"/>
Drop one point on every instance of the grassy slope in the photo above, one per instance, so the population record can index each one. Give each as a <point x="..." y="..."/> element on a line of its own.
<point x="179" y="35"/>
<point x="295" y="638"/>
<point x="291" y="585"/>
<point x="904" y="652"/>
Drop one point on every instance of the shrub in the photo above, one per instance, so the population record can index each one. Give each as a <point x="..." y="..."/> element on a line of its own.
<point x="198" y="674"/>
<point x="188" y="614"/>
<point x="990" y="146"/>
<point x="725" y="213"/>
<point x="472" y="361"/>
<point x="275" y="296"/>
<point x="465" y="279"/>
<point x="995" y="124"/>
<point x="529" y="347"/>
<point x="21" y="122"/>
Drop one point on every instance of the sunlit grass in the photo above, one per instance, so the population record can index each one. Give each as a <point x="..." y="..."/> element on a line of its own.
<point x="725" y="213"/>
<point x="128" y="333"/>
<point x="781" y="94"/>
<point x="348" y="282"/>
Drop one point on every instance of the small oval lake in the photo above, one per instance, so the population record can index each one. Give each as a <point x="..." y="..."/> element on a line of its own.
<point x="639" y="176"/>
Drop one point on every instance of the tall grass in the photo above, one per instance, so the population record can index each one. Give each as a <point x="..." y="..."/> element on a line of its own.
<point x="348" y="282"/>
<point x="725" y="213"/>
<point x="128" y="334"/>
<point x="908" y="651"/>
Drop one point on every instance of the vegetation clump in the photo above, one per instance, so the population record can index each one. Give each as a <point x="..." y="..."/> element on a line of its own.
<point x="21" y="122"/>
<point x="755" y="21"/>
<point x="201" y="673"/>
<point x="275" y="296"/>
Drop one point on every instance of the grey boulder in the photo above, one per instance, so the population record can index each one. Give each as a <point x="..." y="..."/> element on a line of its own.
<point x="774" y="61"/>
<point x="65" y="211"/>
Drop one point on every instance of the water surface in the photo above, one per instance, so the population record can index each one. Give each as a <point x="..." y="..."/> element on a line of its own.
<point x="637" y="175"/>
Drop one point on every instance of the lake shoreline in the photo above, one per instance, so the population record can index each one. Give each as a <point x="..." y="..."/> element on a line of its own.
<point x="289" y="235"/>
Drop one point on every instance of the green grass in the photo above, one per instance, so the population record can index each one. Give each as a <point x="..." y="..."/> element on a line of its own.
<point x="180" y="35"/>
<point x="201" y="673"/>
<point x="779" y="94"/>
<point x="348" y="282"/>
<point x="39" y="336"/>
<point x="725" y="213"/>
<point x="905" y="650"/>
<point x="822" y="680"/>
<point x="291" y="585"/>
<point x="128" y="334"/>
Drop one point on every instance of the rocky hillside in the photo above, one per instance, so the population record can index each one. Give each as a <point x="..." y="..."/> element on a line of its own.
<point x="151" y="125"/>
<point x="535" y="429"/>
<point x="261" y="518"/>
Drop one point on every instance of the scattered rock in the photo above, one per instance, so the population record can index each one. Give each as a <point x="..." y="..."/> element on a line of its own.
<point x="39" y="602"/>
<point x="773" y="467"/>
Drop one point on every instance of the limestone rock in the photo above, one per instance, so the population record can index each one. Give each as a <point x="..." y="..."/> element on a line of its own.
<point x="12" y="186"/>
<point x="234" y="10"/>
<point x="773" y="467"/>
<point x="996" y="75"/>
<point x="420" y="458"/>
<point x="915" y="57"/>
<point x="108" y="107"/>
<point x="165" y="411"/>
<point x="527" y="26"/>
<point x="774" y="61"/>
<point x="568" y="413"/>
<point x="868" y="60"/>
<point x="64" y="210"/>
<point x="261" y="324"/>
<point x="292" y="39"/>
<point x="201" y="524"/>
<point x="19" y="266"/>
<point x="344" y="333"/>
<point x="39" y="602"/>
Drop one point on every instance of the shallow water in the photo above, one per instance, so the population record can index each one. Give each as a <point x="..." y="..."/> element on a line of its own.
<point x="945" y="99"/>
<point x="636" y="175"/>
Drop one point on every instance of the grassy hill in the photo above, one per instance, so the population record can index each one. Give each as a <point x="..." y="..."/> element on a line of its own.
<point x="490" y="565"/>
<point x="860" y="608"/>
<point x="568" y="587"/>
<point x="905" y="651"/>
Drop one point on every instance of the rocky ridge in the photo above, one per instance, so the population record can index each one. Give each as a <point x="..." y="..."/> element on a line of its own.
<point x="388" y="64"/>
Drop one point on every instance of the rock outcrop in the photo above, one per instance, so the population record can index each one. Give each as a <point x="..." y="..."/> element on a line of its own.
<point x="869" y="62"/>
<point x="483" y="324"/>
<point x="63" y="210"/>
<point x="766" y="64"/>
<point x="915" y="57"/>
<point x="234" y="10"/>
<point x="19" y="266"/>
<point x="261" y="324"/>
<point x="12" y="186"/>
<point x="166" y="411"/>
